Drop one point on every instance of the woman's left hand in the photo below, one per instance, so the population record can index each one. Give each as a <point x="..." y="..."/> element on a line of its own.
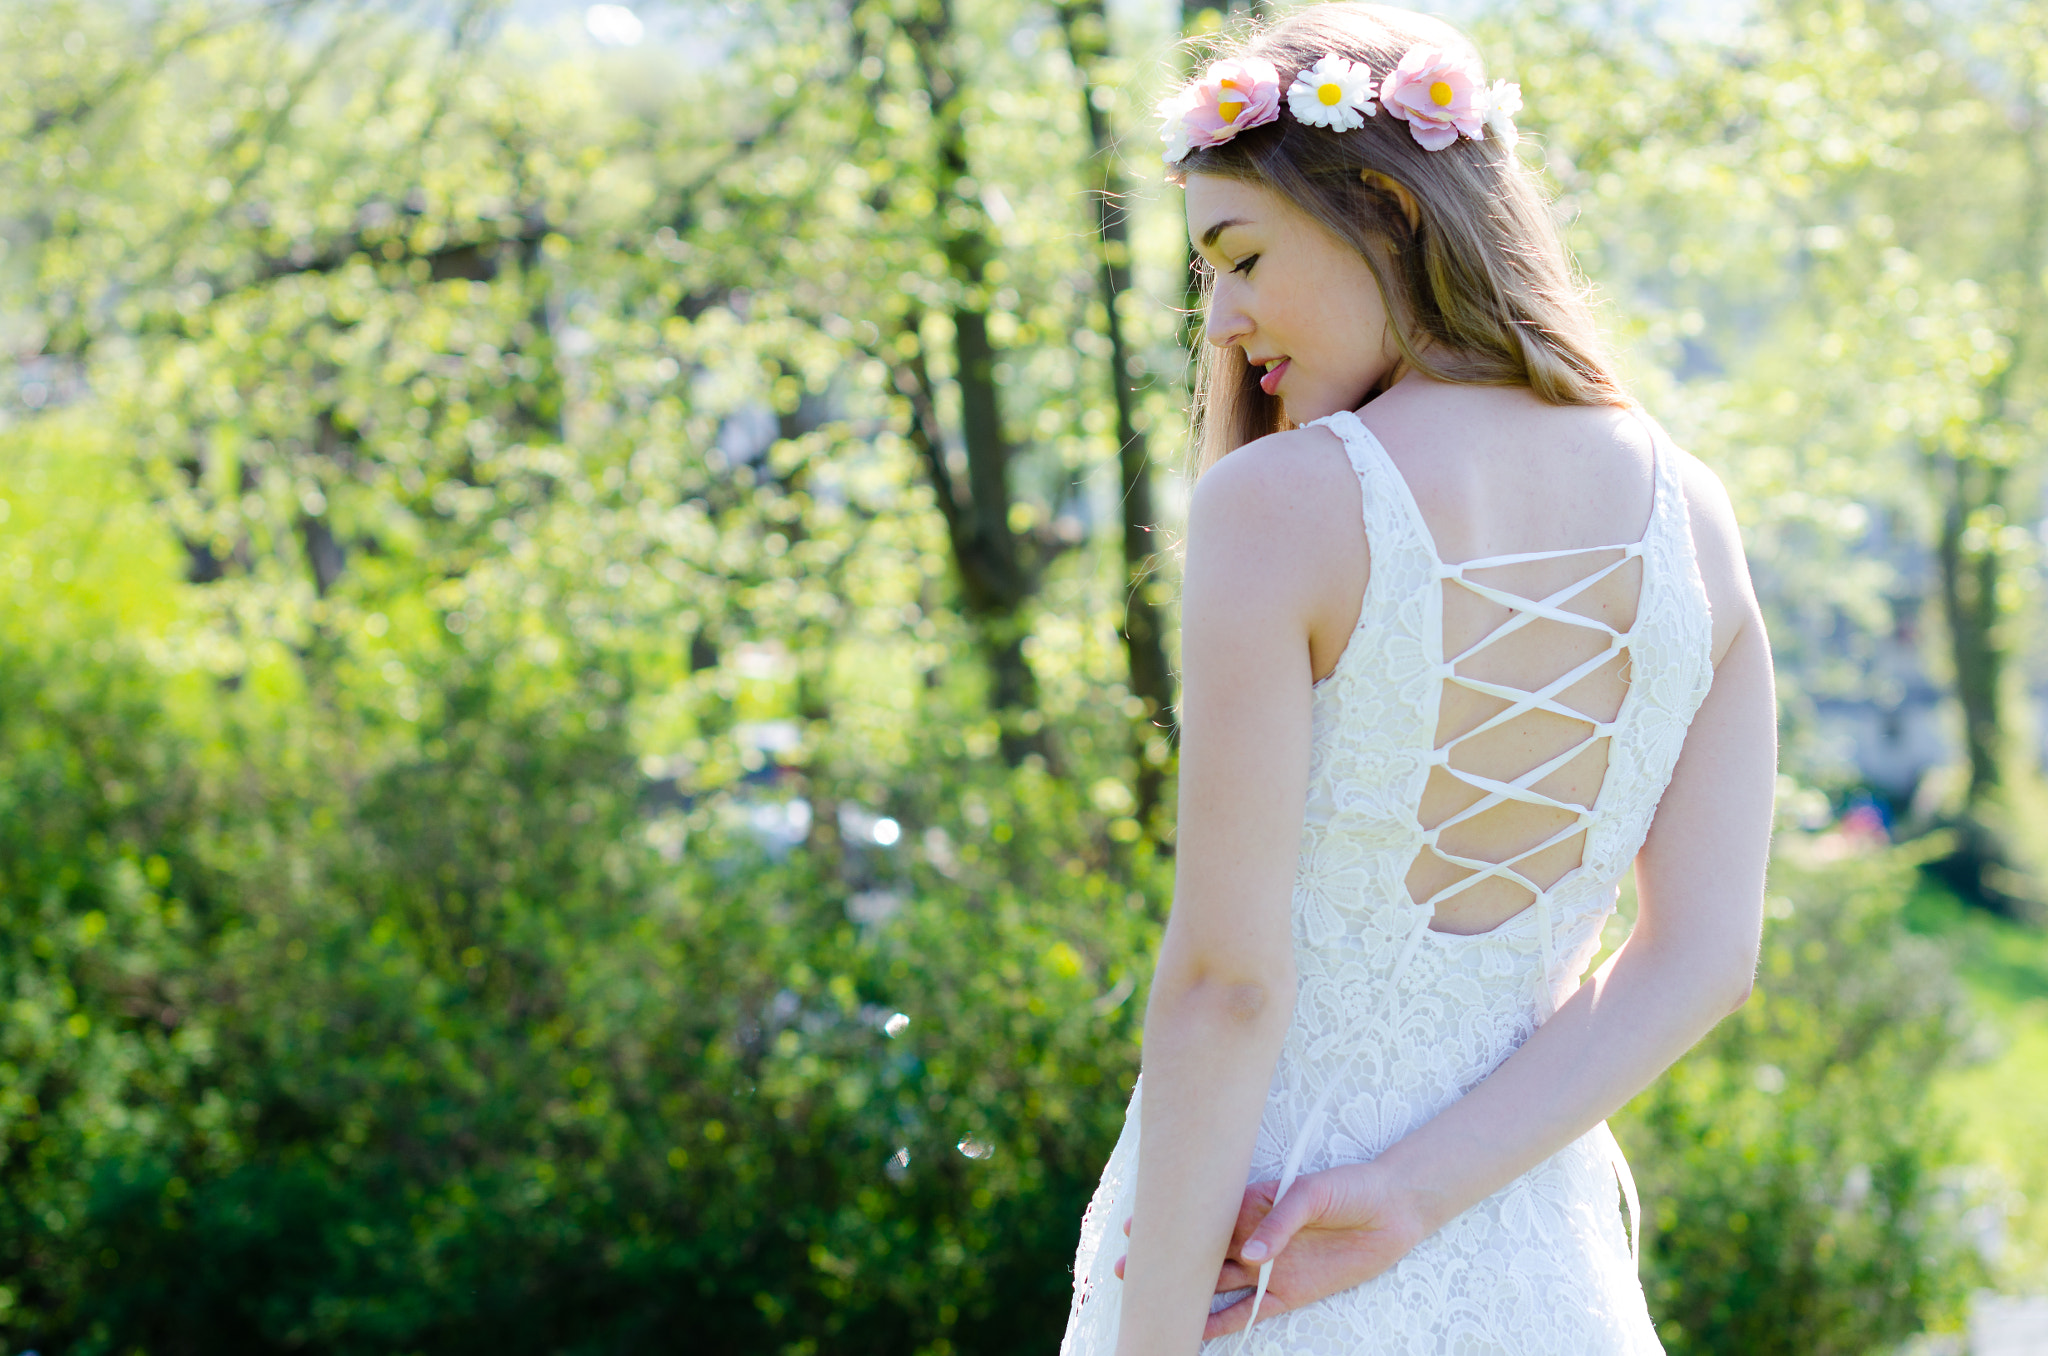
<point x="1332" y="1230"/>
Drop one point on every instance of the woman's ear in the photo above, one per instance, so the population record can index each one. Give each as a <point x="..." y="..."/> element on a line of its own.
<point x="1387" y="183"/>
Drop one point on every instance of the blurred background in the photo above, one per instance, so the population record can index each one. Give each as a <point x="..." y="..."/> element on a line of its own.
<point x="587" y="656"/>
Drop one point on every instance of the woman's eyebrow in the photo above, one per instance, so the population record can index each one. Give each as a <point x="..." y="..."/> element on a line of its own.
<point x="1209" y="236"/>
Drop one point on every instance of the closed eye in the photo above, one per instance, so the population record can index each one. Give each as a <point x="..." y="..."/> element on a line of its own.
<point x="1244" y="265"/>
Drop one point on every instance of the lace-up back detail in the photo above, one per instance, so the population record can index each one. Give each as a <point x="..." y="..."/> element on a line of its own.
<point x="1485" y="761"/>
<point x="1556" y="790"/>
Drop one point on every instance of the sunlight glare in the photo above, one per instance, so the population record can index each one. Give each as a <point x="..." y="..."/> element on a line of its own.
<point x="613" y="25"/>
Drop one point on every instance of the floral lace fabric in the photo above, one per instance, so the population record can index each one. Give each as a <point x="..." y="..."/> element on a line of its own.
<point x="1394" y="1021"/>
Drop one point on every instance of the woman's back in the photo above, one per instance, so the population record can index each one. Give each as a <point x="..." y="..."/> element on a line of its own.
<point x="1496" y="473"/>
<point x="1500" y="722"/>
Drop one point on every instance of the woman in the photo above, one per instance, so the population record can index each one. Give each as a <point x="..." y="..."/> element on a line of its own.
<point x="1418" y="756"/>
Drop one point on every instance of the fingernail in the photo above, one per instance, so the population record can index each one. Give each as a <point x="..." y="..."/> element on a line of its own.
<point x="1254" y="1251"/>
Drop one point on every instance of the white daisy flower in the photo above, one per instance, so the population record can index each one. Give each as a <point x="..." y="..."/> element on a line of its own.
<point x="1503" y="101"/>
<point x="1333" y="93"/>
<point x="1173" y="129"/>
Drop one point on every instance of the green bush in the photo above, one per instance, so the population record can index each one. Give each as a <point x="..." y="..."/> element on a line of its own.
<point x="451" y="1056"/>
<point x="1793" y="1169"/>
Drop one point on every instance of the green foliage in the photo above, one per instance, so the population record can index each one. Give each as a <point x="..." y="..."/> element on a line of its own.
<point x="458" y="501"/>
<point x="1800" y="1183"/>
<point x="447" y="1050"/>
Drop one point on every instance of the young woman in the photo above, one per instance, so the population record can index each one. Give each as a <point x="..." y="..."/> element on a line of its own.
<point x="1464" y="636"/>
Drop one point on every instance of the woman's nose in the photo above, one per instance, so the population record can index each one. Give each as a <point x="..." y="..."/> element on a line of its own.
<point x="1227" y="324"/>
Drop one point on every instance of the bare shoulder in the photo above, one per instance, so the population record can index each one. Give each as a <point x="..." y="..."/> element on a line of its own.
<point x="1290" y="472"/>
<point x="1290" y="491"/>
<point x="1283" y="517"/>
<point x="1717" y="544"/>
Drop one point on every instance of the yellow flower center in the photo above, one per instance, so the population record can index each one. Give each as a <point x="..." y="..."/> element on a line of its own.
<point x="1228" y="109"/>
<point x="1442" y="93"/>
<point x="1330" y="92"/>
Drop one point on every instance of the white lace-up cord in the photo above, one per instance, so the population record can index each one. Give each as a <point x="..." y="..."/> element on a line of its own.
<point x="1494" y="792"/>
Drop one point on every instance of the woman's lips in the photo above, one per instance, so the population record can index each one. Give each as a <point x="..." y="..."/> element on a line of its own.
<point x="1271" y="381"/>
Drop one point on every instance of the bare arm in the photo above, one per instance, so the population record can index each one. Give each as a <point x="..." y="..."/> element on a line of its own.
<point x="1687" y="963"/>
<point x="1223" y="995"/>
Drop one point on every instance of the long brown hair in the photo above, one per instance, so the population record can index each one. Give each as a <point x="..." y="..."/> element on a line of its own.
<point x="1479" y="290"/>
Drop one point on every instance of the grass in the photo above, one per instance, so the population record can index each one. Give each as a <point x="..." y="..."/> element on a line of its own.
<point x="1999" y="1098"/>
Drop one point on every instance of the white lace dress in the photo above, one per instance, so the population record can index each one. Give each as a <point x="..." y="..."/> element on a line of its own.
<point x="1394" y="1021"/>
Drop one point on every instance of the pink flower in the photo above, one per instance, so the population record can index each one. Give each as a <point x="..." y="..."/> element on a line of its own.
<point x="1439" y="94"/>
<point x="1232" y="96"/>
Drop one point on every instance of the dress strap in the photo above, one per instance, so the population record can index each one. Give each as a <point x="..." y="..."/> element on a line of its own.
<point x="1348" y="428"/>
<point x="1669" y="500"/>
<point x="1382" y="481"/>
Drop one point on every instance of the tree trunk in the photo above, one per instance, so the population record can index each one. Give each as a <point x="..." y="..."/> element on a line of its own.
<point x="1980" y="868"/>
<point x="997" y="581"/>
<point x="1086" y="28"/>
<point x="1970" y="570"/>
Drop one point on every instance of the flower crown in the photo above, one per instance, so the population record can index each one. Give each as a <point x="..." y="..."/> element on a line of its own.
<point x="1438" y="93"/>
